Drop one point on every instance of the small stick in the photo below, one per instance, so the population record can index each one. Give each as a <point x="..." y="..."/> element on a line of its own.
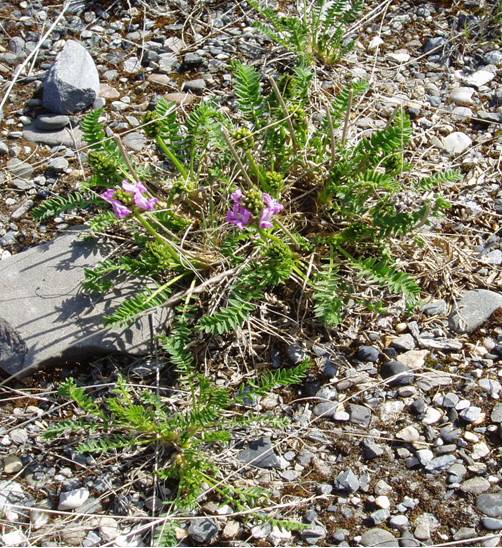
<point x="332" y="135"/>
<point x="236" y="158"/>
<point x="286" y="114"/>
<point x="347" y="117"/>
<point x="119" y="142"/>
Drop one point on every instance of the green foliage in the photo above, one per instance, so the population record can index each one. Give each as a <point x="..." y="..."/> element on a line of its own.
<point x="317" y="31"/>
<point x="328" y="306"/>
<point x="230" y="317"/>
<point x="247" y="90"/>
<point x="60" y="204"/>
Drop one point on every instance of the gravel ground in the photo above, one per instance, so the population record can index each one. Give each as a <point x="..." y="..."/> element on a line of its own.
<point x="395" y="440"/>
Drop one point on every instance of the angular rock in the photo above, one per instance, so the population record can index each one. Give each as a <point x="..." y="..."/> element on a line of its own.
<point x="475" y="307"/>
<point x="475" y="486"/>
<point x="46" y="319"/>
<point x="397" y="373"/>
<point x="360" y="415"/>
<point x="69" y="500"/>
<point x="371" y="449"/>
<point x="378" y="537"/>
<point x="404" y="342"/>
<point x="347" y="482"/>
<point x="479" y="78"/>
<point x="435" y="308"/>
<point x="260" y="453"/>
<point x="135" y="141"/>
<point x="72" y="83"/>
<point x="204" y="530"/>
<point x="197" y="86"/>
<point x="462" y="96"/>
<point x="496" y="416"/>
<point x="368" y="354"/>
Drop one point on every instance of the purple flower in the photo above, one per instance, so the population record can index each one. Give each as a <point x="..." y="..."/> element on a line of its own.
<point x="137" y="193"/>
<point x="272" y="208"/>
<point x="118" y="207"/>
<point x="239" y="216"/>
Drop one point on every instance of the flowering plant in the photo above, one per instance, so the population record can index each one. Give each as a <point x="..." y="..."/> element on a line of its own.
<point x="247" y="208"/>
<point x="128" y="198"/>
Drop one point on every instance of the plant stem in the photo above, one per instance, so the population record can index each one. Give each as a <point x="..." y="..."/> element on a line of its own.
<point x="164" y="241"/>
<point x="291" y="128"/>
<point x="172" y="157"/>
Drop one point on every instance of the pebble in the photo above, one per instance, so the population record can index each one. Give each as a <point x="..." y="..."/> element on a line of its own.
<point x="59" y="165"/>
<point x="404" y="342"/>
<point x="471" y="414"/>
<point x="313" y="534"/>
<point x="15" y="538"/>
<point x="69" y="500"/>
<point x="432" y="416"/>
<point x="12" y="464"/>
<point x="19" y="168"/>
<point x="399" y="57"/>
<point x="378" y="537"/>
<point x="197" y="86"/>
<point x="462" y="96"/>
<point x="347" y="482"/>
<point x="409" y="434"/>
<point x="231" y="529"/>
<point x="457" y="142"/>
<point x="490" y="504"/>
<point x="492" y="524"/>
<point x="19" y="436"/>
<point x="479" y="78"/>
<point x="496" y="415"/>
<point x="360" y="415"/>
<point x="368" y="354"/>
<point x="475" y="486"/>
<point x="260" y="454"/>
<point x="204" y="530"/>
<point x="435" y="308"/>
<point x="399" y="522"/>
<point x="396" y="373"/>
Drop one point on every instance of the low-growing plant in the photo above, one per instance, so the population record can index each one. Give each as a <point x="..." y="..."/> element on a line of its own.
<point x="273" y="198"/>
<point x="316" y="32"/>
<point x="188" y="428"/>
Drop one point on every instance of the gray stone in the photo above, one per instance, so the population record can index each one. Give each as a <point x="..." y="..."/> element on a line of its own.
<point x="475" y="486"/>
<point x="347" y="482"/>
<point x="359" y="415"/>
<point x="496" y="415"/>
<point x="493" y="57"/>
<point x="67" y="137"/>
<point x="135" y="141"/>
<point x="69" y="500"/>
<point x="462" y="96"/>
<point x="492" y="524"/>
<point x="260" y="453"/>
<point x="378" y="537"/>
<point x="440" y="463"/>
<point x="22" y="184"/>
<point x="313" y="534"/>
<point x="397" y="373"/>
<point x="435" y="308"/>
<point x="368" y="354"/>
<point x="408" y="540"/>
<point x="404" y="342"/>
<point x="72" y="83"/>
<point x="371" y="449"/>
<point x="4" y="148"/>
<point x="197" y="86"/>
<point x="325" y="409"/>
<point x="380" y="516"/>
<point x="192" y="60"/>
<point x="399" y="522"/>
<point x="464" y="533"/>
<point x="19" y="168"/>
<point x="474" y="308"/>
<point x="167" y="62"/>
<point x="479" y="78"/>
<point x="58" y="165"/>
<point x="46" y="319"/>
<point x="456" y="143"/>
<point x="204" y="530"/>
<point x="471" y="414"/>
<point x="490" y="504"/>
<point x="51" y="122"/>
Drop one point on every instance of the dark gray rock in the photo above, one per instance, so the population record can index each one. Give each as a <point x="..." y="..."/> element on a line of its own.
<point x="435" y="45"/>
<point x="51" y="122"/>
<point x="397" y="373"/>
<point x="490" y="504"/>
<point x="359" y="415"/>
<point x="260" y="453"/>
<point x="347" y="482"/>
<point x="325" y="409"/>
<point x="72" y="83"/>
<point x="196" y="86"/>
<point x="46" y="319"/>
<point x="378" y="537"/>
<point x="67" y="137"/>
<point x="371" y="449"/>
<point x="204" y="530"/>
<point x="404" y="342"/>
<point x="368" y="354"/>
<point x="440" y="463"/>
<point x="475" y="307"/>
<point x="408" y="540"/>
<point x="191" y="60"/>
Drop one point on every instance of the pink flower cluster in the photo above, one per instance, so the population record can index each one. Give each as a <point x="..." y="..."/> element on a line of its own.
<point x="241" y="216"/>
<point x="137" y="197"/>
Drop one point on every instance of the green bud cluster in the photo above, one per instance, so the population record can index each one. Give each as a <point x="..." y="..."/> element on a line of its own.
<point x="254" y="201"/>
<point x="244" y="138"/>
<point x="274" y="183"/>
<point x="104" y="165"/>
<point x="152" y="124"/>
